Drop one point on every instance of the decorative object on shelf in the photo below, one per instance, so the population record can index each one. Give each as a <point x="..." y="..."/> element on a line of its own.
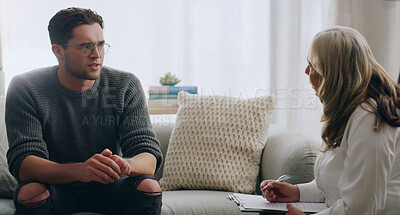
<point x="169" y="79"/>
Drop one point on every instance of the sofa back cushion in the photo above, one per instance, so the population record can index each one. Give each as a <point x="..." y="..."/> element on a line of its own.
<point x="163" y="134"/>
<point x="8" y="183"/>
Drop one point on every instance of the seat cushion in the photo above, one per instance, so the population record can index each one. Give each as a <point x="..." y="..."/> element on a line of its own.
<point x="202" y="202"/>
<point x="6" y="207"/>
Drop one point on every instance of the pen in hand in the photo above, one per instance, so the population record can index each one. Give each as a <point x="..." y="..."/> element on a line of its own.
<point x="280" y="179"/>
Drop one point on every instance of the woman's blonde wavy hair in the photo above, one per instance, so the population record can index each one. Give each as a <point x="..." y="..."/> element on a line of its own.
<point x="350" y="76"/>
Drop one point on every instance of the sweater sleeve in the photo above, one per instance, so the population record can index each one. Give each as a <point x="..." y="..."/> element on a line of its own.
<point x="24" y="128"/>
<point x="137" y="135"/>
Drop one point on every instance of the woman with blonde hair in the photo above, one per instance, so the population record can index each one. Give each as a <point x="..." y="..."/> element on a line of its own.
<point x="358" y="170"/>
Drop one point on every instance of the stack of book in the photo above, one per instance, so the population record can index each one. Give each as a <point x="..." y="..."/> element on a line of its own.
<point x="164" y="99"/>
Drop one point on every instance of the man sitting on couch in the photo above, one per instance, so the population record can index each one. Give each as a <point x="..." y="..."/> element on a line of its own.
<point x="67" y="123"/>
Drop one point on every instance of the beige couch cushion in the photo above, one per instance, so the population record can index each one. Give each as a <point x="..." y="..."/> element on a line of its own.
<point x="217" y="143"/>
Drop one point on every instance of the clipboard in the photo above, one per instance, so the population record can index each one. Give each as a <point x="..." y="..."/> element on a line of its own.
<point x="256" y="203"/>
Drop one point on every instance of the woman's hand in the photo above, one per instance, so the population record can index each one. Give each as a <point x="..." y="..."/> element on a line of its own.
<point x="292" y="210"/>
<point x="280" y="191"/>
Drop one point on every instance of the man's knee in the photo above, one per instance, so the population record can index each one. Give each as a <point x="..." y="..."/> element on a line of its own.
<point x="33" y="194"/>
<point x="150" y="187"/>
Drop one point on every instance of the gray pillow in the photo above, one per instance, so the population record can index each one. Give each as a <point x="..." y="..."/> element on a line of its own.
<point x="8" y="183"/>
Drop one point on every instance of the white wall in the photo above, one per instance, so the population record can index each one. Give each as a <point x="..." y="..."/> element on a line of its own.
<point x="379" y="22"/>
<point x="241" y="48"/>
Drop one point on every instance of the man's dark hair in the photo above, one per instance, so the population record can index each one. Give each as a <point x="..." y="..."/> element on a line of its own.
<point x="64" y="21"/>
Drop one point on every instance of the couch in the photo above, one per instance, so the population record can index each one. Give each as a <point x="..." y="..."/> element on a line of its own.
<point x="286" y="152"/>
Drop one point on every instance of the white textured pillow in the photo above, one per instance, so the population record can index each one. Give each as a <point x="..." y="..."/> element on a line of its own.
<point x="7" y="182"/>
<point x="217" y="143"/>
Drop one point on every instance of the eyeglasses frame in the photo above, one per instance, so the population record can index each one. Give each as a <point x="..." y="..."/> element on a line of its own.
<point x="81" y="47"/>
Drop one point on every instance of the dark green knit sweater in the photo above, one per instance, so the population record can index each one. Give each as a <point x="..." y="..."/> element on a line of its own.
<point x="45" y="119"/>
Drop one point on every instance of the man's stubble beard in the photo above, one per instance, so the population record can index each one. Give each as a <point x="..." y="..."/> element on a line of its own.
<point x="82" y="75"/>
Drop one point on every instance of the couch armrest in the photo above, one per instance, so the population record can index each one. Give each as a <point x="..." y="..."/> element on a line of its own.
<point x="288" y="152"/>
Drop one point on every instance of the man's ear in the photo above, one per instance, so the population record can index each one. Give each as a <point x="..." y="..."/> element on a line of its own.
<point x="58" y="51"/>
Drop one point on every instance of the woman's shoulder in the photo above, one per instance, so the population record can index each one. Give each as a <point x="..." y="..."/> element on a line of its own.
<point x="364" y="117"/>
<point x="363" y="112"/>
<point x="362" y="128"/>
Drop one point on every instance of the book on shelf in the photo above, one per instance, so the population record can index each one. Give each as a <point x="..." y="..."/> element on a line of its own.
<point x="163" y="96"/>
<point x="163" y="110"/>
<point x="172" y="89"/>
<point x="164" y="99"/>
<point x="163" y="103"/>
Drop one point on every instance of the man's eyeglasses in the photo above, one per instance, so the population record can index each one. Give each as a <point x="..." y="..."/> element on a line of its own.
<point x="88" y="48"/>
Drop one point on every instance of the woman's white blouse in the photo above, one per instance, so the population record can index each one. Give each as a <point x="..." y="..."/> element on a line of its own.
<point x="362" y="176"/>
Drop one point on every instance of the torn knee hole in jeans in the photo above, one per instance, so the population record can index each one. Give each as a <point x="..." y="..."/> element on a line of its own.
<point x="35" y="204"/>
<point x="149" y="193"/>
<point x="31" y="203"/>
<point x="135" y="186"/>
<point x="139" y="179"/>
